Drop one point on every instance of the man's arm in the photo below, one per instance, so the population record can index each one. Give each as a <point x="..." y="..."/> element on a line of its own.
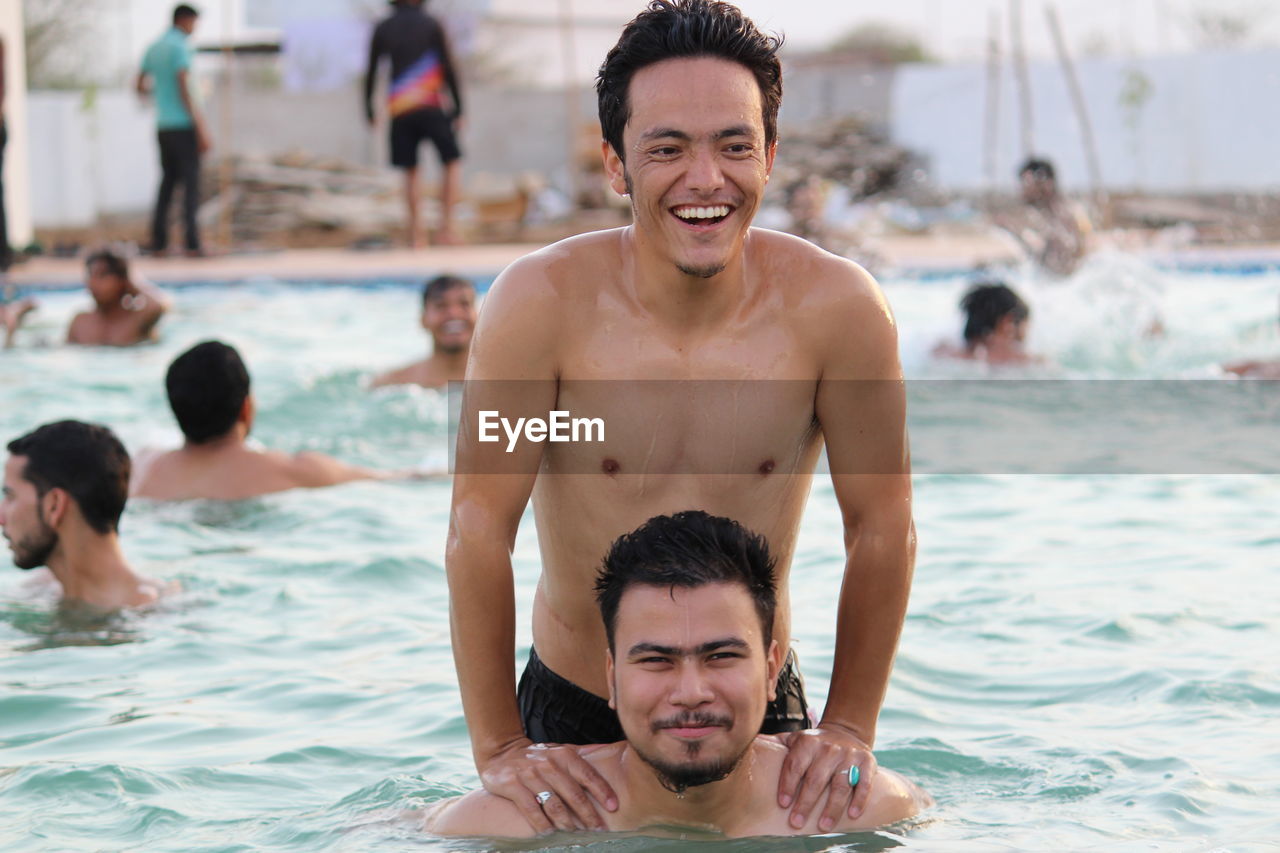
<point x="512" y="371"/>
<point x="451" y="74"/>
<point x="184" y="91"/>
<point x="371" y="74"/>
<point x="861" y="406"/>
<point x="149" y="301"/>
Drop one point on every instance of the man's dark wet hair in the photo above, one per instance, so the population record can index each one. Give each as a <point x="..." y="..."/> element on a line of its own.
<point x="671" y="29"/>
<point x="1039" y="167"/>
<point x="114" y="262"/>
<point x="207" y="387"/>
<point x="86" y="461"/>
<point x="688" y="550"/>
<point x="441" y="284"/>
<point x="183" y="12"/>
<point x="985" y="305"/>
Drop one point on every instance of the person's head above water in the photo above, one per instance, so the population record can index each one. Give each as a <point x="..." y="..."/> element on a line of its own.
<point x="688" y="604"/>
<point x="993" y="308"/>
<point x="449" y="313"/>
<point x="675" y="29"/>
<point x="208" y="388"/>
<point x="63" y="479"/>
<point x="107" y="272"/>
<point x="1038" y="180"/>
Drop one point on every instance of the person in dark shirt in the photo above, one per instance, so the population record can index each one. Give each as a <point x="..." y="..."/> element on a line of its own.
<point x="424" y="101"/>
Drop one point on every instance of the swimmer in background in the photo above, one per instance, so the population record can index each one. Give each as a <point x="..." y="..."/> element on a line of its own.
<point x="126" y="307"/>
<point x="995" y="327"/>
<point x="65" y="488"/>
<point x="688" y="604"/>
<point x="449" y="316"/>
<point x="1255" y="369"/>
<point x="208" y="389"/>
<point x="1053" y="231"/>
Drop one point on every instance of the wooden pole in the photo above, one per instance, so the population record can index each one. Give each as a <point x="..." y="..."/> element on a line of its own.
<point x="1081" y="108"/>
<point x="1024" y="83"/>
<point x="225" y="173"/>
<point x="992" y="142"/>
<point x="573" y="118"/>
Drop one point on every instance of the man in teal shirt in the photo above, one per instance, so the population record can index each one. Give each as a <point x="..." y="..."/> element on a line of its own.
<point x="166" y="70"/>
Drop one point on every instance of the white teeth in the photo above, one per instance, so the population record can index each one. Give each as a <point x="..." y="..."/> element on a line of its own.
<point x="454" y="326"/>
<point x="703" y="212"/>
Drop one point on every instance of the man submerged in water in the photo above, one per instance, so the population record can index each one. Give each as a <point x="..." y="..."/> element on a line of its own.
<point x="449" y="316"/>
<point x="995" y="327"/>
<point x="126" y="308"/>
<point x="720" y="357"/>
<point x="208" y="389"/>
<point x="65" y="488"/>
<point x="688" y="605"/>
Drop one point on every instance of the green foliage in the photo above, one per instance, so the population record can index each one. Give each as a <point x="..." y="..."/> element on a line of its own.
<point x="881" y="43"/>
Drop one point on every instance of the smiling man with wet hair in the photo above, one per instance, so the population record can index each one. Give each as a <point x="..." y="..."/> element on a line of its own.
<point x="688" y="604"/>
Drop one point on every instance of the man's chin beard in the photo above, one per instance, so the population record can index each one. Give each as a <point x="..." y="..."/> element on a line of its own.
<point x="678" y="778"/>
<point x="33" y="553"/>
<point x="709" y="271"/>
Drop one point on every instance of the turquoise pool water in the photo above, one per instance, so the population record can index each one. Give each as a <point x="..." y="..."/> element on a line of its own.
<point x="1089" y="662"/>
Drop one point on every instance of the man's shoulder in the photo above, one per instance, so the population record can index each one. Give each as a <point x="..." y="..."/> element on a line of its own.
<point x="478" y="813"/>
<point x="893" y="798"/>
<point x="560" y="269"/>
<point x="805" y="269"/>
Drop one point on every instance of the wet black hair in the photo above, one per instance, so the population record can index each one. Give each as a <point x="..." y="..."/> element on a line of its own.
<point x="86" y="461"/>
<point x="688" y="550"/>
<point x="183" y="11"/>
<point x="114" y="262"/>
<point x="985" y="305"/>
<point x="441" y="284"/>
<point x="671" y="29"/>
<point x="207" y="387"/>
<point x="1039" y="167"/>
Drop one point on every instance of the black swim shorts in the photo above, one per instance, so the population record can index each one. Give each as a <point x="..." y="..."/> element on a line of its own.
<point x="411" y="129"/>
<point x="555" y="710"/>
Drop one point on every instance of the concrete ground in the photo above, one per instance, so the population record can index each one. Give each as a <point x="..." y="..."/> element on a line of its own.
<point x="917" y="253"/>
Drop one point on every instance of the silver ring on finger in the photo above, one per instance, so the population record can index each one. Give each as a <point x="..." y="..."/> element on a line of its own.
<point x="543" y="796"/>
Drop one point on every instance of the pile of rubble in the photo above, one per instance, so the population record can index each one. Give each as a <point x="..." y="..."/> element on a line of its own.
<point x="846" y="153"/>
<point x="297" y="199"/>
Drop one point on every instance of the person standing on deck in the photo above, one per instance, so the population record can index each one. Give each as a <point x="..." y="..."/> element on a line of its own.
<point x="180" y="128"/>
<point x="421" y="69"/>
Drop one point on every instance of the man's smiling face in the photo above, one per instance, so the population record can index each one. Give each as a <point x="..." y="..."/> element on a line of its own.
<point x="691" y="678"/>
<point x="696" y="160"/>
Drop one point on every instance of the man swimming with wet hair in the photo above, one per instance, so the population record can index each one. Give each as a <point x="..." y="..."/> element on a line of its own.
<point x="449" y="316"/>
<point x="688" y="604"/>
<point x="126" y="307"/>
<point x="995" y="327"/>
<point x="208" y="388"/>
<point x="65" y="488"/>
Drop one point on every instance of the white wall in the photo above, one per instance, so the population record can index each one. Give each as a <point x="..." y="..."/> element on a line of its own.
<point x="1210" y="124"/>
<point x="17" y="185"/>
<point x="93" y="155"/>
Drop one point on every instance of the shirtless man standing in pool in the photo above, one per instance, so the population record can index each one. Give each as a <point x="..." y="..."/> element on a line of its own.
<point x="763" y="346"/>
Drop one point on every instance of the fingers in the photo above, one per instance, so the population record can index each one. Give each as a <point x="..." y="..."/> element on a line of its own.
<point x="819" y="777"/>
<point x="594" y="784"/>
<point x="867" y="768"/>
<point x="840" y="795"/>
<point x="793" y="767"/>
<point x="530" y="809"/>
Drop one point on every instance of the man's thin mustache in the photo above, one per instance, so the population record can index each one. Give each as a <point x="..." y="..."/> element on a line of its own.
<point x="691" y="721"/>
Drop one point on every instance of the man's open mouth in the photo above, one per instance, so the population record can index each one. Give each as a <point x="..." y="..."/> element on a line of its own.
<point x="708" y="214"/>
